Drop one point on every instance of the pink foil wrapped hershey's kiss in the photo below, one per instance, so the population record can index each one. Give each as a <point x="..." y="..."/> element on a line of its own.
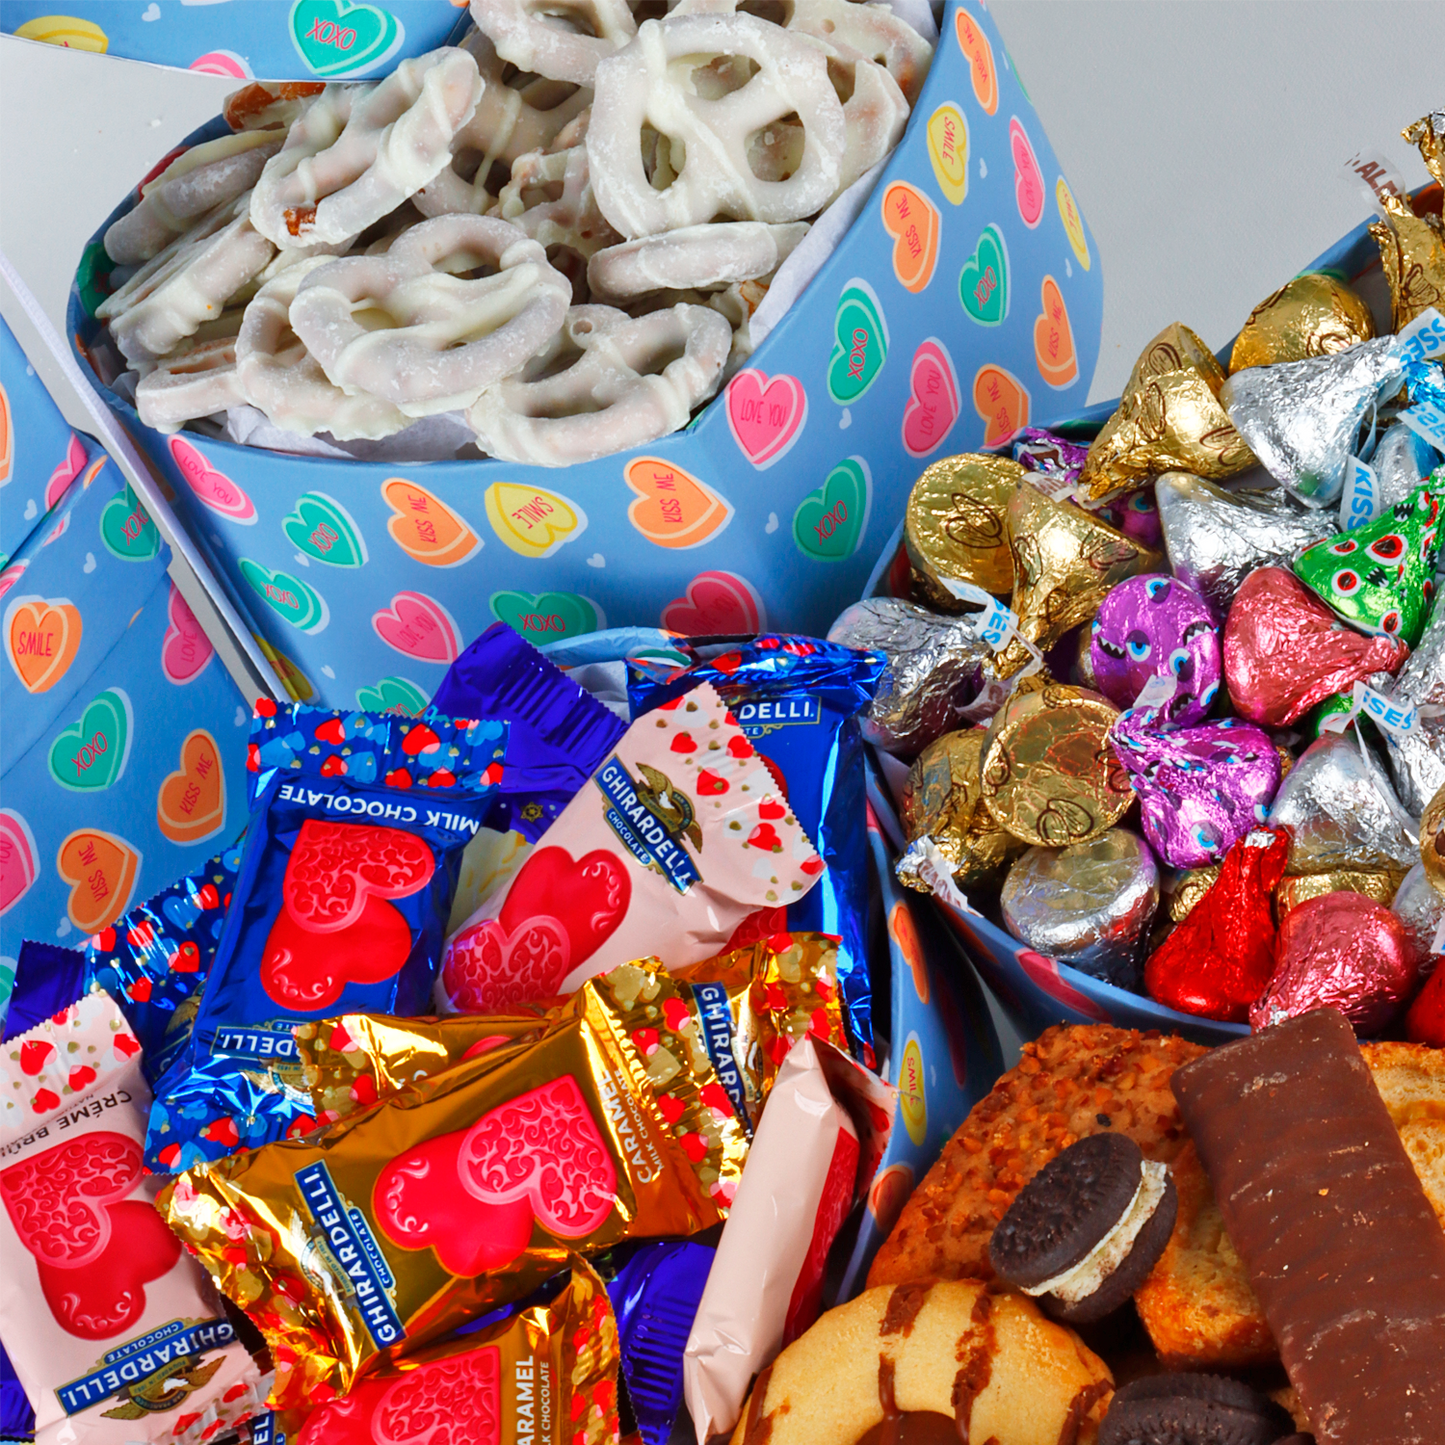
<point x="1284" y="650"/>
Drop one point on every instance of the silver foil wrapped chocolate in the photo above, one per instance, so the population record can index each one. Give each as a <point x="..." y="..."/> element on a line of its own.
<point x="1401" y="462"/>
<point x="1341" y="813"/>
<point x="1090" y="904"/>
<point x="1420" y="906"/>
<point x="933" y="662"/>
<point x="1417" y="758"/>
<point x="1215" y="539"/>
<point x="1301" y="418"/>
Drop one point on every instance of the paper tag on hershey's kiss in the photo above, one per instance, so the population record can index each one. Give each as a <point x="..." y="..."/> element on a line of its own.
<point x="1374" y="175"/>
<point x="1424" y="338"/>
<point x="997" y="623"/>
<point x="1400" y="718"/>
<point x="1427" y="420"/>
<point x="1360" y="501"/>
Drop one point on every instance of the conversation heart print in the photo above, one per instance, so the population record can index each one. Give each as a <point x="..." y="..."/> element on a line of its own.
<point x="90" y="755"/>
<point x="126" y="528"/>
<point x="19" y="862"/>
<point x="1073" y="221"/>
<point x="191" y="804"/>
<point x="947" y="136"/>
<point x="425" y="528"/>
<point x="1054" y="339"/>
<point x="185" y="649"/>
<point x="7" y="442"/>
<point x="418" y="626"/>
<point x="394" y="695"/>
<point x="979" y="54"/>
<point x="673" y="508"/>
<point x="860" y="343"/>
<point x="913" y="221"/>
<point x="933" y="403"/>
<point x="297" y="601"/>
<point x="716" y="603"/>
<point x="766" y="415"/>
<point x="533" y="521"/>
<point x="336" y="38"/>
<point x="983" y="284"/>
<point x="42" y="636"/>
<point x="830" y="521"/>
<point x="1028" y="179"/>
<point x="101" y="869"/>
<point x="547" y="616"/>
<point x="212" y="488"/>
<point x="1002" y="400"/>
<point x="321" y="528"/>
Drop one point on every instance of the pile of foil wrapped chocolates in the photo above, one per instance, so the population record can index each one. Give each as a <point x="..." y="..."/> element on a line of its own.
<point x="1174" y="698"/>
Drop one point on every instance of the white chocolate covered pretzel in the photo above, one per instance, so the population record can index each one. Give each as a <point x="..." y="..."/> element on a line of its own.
<point x="269" y="104"/>
<point x="402" y="328"/>
<point x="195" y="382"/>
<point x="561" y="39"/>
<point x="550" y="197"/>
<point x="276" y="373"/>
<point x="875" y="111"/>
<point x="699" y="257"/>
<point x="204" y="177"/>
<point x="606" y="382"/>
<point x="188" y="283"/>
<point x="358" y="151"/>
<point x="650" y="85"/>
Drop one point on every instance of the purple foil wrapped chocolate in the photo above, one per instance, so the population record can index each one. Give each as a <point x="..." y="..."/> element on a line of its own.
<point x="1054" y="456"/>
<point x="1202" y="788"/>
<point x="1153" y="626"/>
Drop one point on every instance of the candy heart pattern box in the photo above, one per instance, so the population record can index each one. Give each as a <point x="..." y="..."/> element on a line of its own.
<point x="964" y="301"/>
<point x="123" y="743"/>
<point x="274" y="40"/>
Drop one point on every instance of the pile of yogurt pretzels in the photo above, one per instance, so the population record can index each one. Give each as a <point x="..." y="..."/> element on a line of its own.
<point x="558" y="229"/>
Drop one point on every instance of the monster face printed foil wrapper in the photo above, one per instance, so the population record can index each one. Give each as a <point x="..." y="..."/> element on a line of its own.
<point x="955" y="527"/>
<point x="466" y="1190"/>
<point x="1313" y="315"/>
<point x="1050" y="776"/>
<point x="1170" y="418"/>
<point x="1065" y="563"/>
<point x="1412" y="255"/>
<point x="943" y="802"/>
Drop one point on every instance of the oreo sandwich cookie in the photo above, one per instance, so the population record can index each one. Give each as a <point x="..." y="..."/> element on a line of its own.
<point x="1085" y="1231"/>
<point x="1194" y="1410"/>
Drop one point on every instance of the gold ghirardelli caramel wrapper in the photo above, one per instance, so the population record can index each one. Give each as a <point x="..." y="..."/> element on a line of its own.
<point x="1313" y="315"/>
<point x="956" y="528"/>
<point x="465" y="1190"/>
<point x="943" y="800"/>
<point x="1189" y="888"/>
<point x="546" y="1376"/>
<point x="1428" y="133"/>
<point x="1293" y="891"/>
<point x="1065" y="562"/>
<point x="1169" y="419"/>
<point x="1432" y="840"/>
<point x="1049" y="772"/>
<point x="1412" y="254"/>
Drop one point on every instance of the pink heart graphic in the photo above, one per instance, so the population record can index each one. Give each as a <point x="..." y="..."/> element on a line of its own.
<point x="486" y="969"/>
<point x="934" y="406"/>
<point x="214" y="488"/>
<point x="716" y="603"/>
<point x="12" y="574"/>
<point x="1028" y="180"/>
<point x="419" y="627"/>
<point x="70" y="467"/>
<point x="185" y="649"/>
<point x="18" y="867"/>
<point x="766" y="417"/>
<point x="1044" y="973"/>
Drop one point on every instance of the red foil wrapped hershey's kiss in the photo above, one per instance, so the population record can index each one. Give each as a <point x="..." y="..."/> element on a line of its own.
<point x="1218" y="960"/>
<point x="1284" y="650"/>
<point x="1341" y="951"/>
<point x="1425" y="1023"/>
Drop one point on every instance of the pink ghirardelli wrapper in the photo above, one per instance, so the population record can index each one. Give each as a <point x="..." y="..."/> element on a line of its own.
<point x="113" y="1329"/>
<point x="817" y="1148"/>
<point x="679" y="836"/>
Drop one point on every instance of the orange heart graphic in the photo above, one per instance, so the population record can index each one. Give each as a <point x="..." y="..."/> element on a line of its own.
<point x="7" y="436"/>
<point x="1054" y="339"/>
<point x="673" y="508"/>
<point x="191" y="804"/>
<point x="912" y="219"/>
<point x="979" y="54"/>
<point x="1002" y="400"/>
<point x="424" y="527"/>
<point x="102" y="870"/>
<point x="42" y="636"/>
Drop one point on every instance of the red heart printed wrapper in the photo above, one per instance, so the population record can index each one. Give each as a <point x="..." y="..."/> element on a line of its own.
<point x="487" y="970"/>
<point x="716" y="603"/>
<point x="590" y="896"/>
<point x="57" y="1200"/>
<point x="544" y="1147"/>
<point x="335" y="867"/>
<point x="1285" y="651"/>
<point x="305" y="970"/>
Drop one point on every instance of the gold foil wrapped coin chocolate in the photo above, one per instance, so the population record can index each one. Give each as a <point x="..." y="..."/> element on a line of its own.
<point x="1189" y="888"/>
<point x="1412" y="253"/>
<point x="1293" y="891"/>
<point x="943" y="800"/>
<point x="1065" y="562"/>
<point x="1049" y="773"/>
<point x="1170" y="418"/>
<point x="1432" y="840"/>
<point x="1312" y="315"/>
<point x="955" y="528"/>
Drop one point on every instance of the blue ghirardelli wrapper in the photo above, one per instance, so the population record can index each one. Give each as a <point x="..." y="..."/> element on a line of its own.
<point x="559" y="735"/>
<point x="340" y="905"/>
<point x="154" y="960"/>
<point x="17" y="1419"/>
<point x="48" y="979"/>
<point x="797" y="699"/>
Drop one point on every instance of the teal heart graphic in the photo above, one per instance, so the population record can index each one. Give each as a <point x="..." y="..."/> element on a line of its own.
<point x="547" y="616"/>
<point x="394" y="695"/>
<point x="322" y="528"/>
<point x="301" y="606"/>
<point x="126" y="528"/>
<point x="983" y="285"/>
<point x="336" y="38"/>
<point x="830" y="520"/>
<point x="860" y="343"/>
<point x="91" y="754"/>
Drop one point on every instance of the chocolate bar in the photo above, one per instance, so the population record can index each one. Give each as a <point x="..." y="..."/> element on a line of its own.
<point x="1323" y="1205"/>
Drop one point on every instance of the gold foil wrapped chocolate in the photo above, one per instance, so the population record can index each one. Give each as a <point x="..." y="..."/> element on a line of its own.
<point x="1412" y="253"/>
<point x="466" y="1190"/>
<point x="1428" y="133"/>
<point x="1189" y="888"/>
<point x="1432" y="840"/>
<point x="1293" y="891"/>
<point x="1313" y="315"/>
<point x="955" y="528"/>
<point x="943" y="800"/>
<point x="1170" y="418"/>
<point x="1050" y="776"/>
<point x="1065" y="562"/>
